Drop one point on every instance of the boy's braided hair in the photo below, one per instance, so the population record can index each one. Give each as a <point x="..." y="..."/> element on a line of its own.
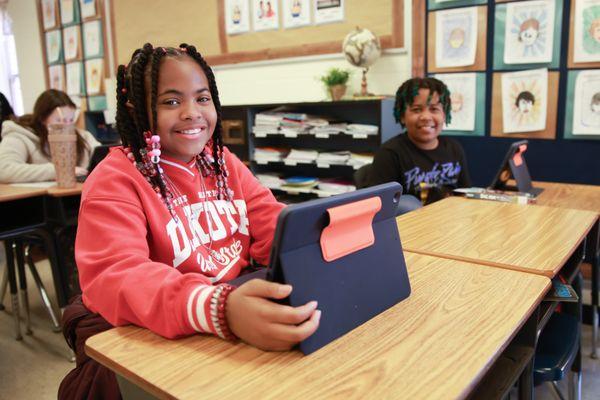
<point x="410" y="89"/>
<point x="138" y="81"/>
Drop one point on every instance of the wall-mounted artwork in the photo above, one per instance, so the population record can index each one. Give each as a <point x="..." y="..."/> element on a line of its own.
<point x="295" y="13"/>
<point x="237" y="16"/>
<point x="327" y="11"/>
<point x="456" y="37"/>
<point x="463" y="99"/>
<point x="92" y="39"/>
<point x="49" y="14"/>
<point x="524" y="100"/>
<point x="529" y="32"/>
<point x="586" y="107"/>
<point x="74" y="78"/>
<point x="587" y="31"/>
<point x="265" y="14"/>
<point x="72" y="43"/>
<point x="57" y="77"/>
<point x="68" y="12"/>
<point x="94" y="76"/>
<point x="53" y="46"/>
<point x="88" y="8"/>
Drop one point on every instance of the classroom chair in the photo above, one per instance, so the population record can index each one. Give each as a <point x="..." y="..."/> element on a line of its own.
<point x="558" y="349"/>
<point x="17" y="246"/>
<point x="406" y="203"/>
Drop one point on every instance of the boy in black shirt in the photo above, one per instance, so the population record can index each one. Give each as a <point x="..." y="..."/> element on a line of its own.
<point x="426" y="165"/>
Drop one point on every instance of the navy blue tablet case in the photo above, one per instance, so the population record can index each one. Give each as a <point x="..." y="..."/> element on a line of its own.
<point x="352" y="289"/>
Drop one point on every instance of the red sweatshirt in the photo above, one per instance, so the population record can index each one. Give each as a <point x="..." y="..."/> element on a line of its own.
<point x="139" y="265"/>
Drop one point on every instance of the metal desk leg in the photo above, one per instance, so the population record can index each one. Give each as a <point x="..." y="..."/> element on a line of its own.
<point x="18" y="245"/>
<point x="595" y="268"/>
<point x="3" y="287"/>
<point x="12" y="282"/>
<point x="526" y="382"/>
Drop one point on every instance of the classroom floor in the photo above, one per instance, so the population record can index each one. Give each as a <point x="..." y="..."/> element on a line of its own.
<point x="34" y="367"/>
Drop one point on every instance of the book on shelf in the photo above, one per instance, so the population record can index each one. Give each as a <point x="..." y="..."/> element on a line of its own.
<point x="496" y="195"/>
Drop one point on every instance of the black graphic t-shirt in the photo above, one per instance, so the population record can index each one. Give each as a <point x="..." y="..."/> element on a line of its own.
<point x="438" y="171"/>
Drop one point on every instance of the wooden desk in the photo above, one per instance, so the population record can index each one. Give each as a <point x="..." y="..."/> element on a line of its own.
<point x="8" y="192"/>
<point x="438" y="343"/>
<point x="527" y="238"/>
<point x="580" y="197"/>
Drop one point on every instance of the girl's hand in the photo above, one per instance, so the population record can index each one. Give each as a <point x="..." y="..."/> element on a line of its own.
<point x="258" y="321"/>
<point x="80" y="171"/>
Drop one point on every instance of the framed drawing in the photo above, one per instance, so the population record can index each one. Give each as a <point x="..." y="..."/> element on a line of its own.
<point x="529" y="32"/>
<point x="92" y="39"/>
<point x="75" y="84"/>
<point x="54" y="51"/>
<point x="524" y="98"/>
<point x="237" y="16"/>
<point x="295" y="13"/>
<point x="327" y="11"/>
<point x="72" y="43"/>
<point x="49" y="10"/>
<point x="265" y="15"/>
<point x="456" y="37"/>
<point x="88" y="8"/>
<point x="69" y="12"/>
<point x="57" y="77"/>
<point x="582" y="111"/>
<point x="94" y="76"/>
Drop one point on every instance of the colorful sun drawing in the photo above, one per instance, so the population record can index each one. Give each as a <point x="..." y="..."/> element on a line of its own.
<point x="526" y="102"/>
<point x="458" y="33"/>
<point x="531" y="29"/>
<point x="591" y="29"/>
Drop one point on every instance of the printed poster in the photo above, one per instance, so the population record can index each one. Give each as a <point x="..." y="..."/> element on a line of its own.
<point x="529" y="33"/>
<point x="265" y="15"/>
<point x="586" y="31"/>
<point x="456" y="37"/>
<point x="463" y="99"/>
<point x="327" y="11"/>
<point x="237" y="16"/>
<point x="524" y="100"/>
<point x="586" y="103"/>
<point x="295" y="13"/>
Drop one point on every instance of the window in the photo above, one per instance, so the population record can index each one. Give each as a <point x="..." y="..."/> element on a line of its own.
<point x="10" y="84"/>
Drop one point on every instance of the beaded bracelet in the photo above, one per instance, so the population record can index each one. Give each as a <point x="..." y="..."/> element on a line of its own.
<point x="218" y="303"/>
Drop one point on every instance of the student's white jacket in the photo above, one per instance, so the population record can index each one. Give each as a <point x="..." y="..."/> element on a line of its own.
<point x="22" y="158"/>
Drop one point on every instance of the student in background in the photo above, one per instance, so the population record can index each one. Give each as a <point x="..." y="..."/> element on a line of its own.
<point x="167" y="220"/>
<point x="427" y="165"/>
<point x="24" y="150"/>
<point x="6" y="111"/>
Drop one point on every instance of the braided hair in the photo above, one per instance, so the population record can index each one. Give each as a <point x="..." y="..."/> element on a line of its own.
<point x="138" y="81"/>
<point x="410" y="89"/>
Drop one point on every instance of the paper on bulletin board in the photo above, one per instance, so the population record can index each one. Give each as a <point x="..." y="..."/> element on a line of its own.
<point x="295" y="13"/>
<point x="463" y="99"/>
<point x="587" y="31"/>
<point x="327" y="11"/>
<point x="56" y="74"/>
<point x="88" y="8"/>
<point x="524" y="100"/>
<point x="586" y="107"/>
<point x="237" y="16"/>
<point x="529" y="32"/>
<point x="456" y="37"/>
<point x="265" y="15"/>
<point x="71" y="42"/>
<point x="53" y="46"/>
<point x="49" y="13"/>
<point x="74" y="78"/>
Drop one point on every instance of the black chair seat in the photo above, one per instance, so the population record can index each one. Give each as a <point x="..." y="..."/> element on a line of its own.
<point x="557" y="347"/>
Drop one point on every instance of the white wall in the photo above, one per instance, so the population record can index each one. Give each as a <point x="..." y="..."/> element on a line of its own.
<point x="29" y="50"/>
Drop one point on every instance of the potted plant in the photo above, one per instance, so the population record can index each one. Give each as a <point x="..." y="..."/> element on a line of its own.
<point x="335" y="81"/>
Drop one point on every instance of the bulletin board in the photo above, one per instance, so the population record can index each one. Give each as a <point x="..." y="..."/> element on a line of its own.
<point x="73" y="37"/>
<point x="155" y="22"/>
<point x="566" y="149"/>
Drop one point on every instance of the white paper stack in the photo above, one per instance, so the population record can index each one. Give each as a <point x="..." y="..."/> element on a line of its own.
<point x="335" y="186"/>
<point x="357" y="160"/>
<point x="272" y="181"/>
<point x="333" y="158"/>
<point x="298" y="156"/>
<point x="263" y="155"/>
<point x="362" y="130"/>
